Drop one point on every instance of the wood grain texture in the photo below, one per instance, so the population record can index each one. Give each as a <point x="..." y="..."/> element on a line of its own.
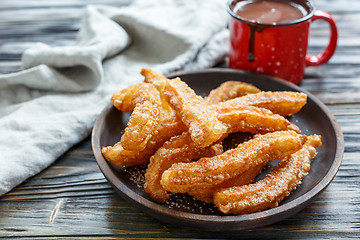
<point x="72" y="200"/>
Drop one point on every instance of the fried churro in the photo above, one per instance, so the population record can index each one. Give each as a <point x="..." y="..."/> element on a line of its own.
<point x="230" y="90"/>
<point x="254" y="120"/>
<point x="202" y="122"/>
<point x="282" y="103"/>
<point x="144" y="100"/>
<point x="167" y="128"/>
<point x="268" y="192"/>
<point x="212" y="172"/>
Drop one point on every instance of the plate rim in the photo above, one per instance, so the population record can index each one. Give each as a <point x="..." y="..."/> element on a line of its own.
<point x="216" y="222"/>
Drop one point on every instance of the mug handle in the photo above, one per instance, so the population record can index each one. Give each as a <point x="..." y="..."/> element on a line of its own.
<point x="315" y="60"/>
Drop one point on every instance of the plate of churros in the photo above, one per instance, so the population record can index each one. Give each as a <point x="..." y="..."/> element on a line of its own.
<point x="217" y="149"/>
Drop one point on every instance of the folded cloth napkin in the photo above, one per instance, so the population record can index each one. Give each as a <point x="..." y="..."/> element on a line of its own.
<point x="53" y="103"/>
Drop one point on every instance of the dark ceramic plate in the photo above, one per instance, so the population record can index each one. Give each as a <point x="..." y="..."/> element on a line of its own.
<point x="181" y="209"/>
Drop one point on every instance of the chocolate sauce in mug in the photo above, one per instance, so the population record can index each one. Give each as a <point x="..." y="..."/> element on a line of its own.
<point x="269" y="11"/>
<point x="261" y="13"/>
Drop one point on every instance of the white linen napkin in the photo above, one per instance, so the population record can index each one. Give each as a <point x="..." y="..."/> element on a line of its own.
<point x="53" y="103"/>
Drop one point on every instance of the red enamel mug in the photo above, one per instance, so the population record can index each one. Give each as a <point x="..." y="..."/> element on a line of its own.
<point x="277" y="50"/>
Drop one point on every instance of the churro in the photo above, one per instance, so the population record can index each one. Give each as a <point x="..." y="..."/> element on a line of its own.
<point x="268" y="192"/>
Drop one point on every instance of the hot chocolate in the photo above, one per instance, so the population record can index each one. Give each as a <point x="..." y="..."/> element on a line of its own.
<point x="269" y="11"/>
<point x="271" y="37"/>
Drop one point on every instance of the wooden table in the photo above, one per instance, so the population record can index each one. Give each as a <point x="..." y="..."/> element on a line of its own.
<point x="72" y="200"/>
